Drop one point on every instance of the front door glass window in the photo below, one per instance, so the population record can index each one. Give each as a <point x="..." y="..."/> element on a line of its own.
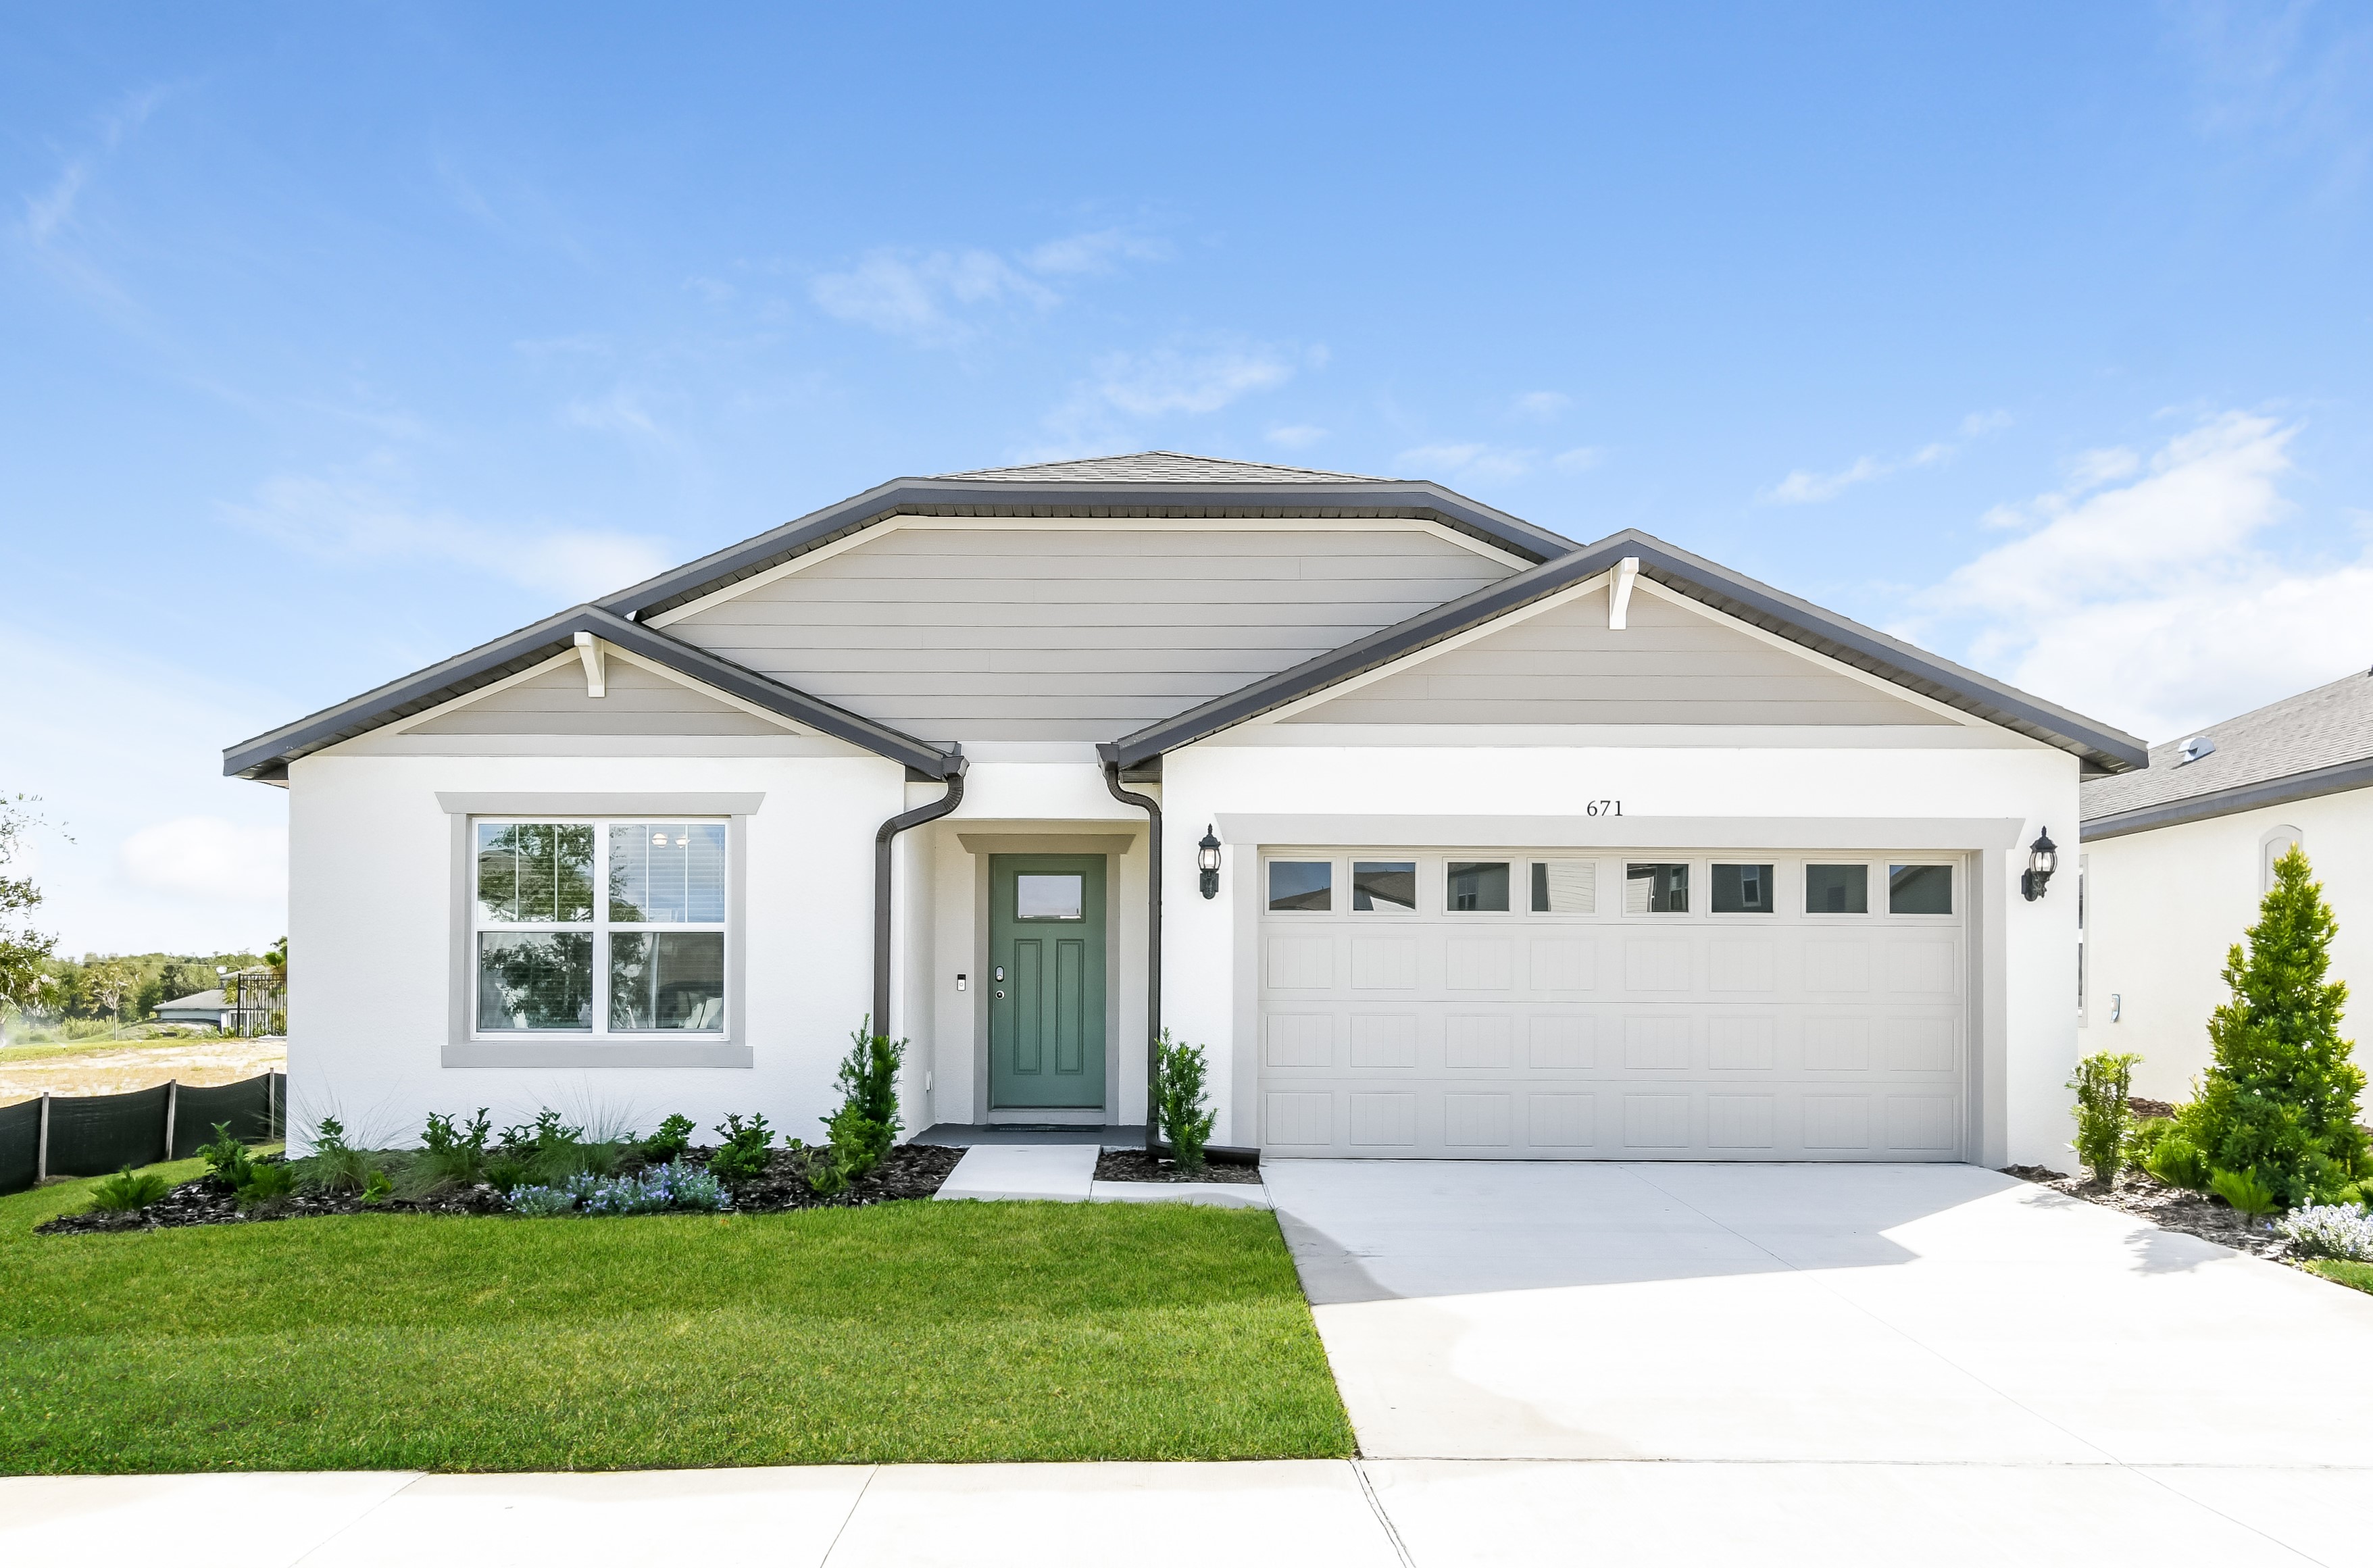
<point x="1047" y="898"/>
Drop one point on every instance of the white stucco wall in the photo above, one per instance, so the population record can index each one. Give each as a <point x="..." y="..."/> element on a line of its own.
<point x="371" y="927"/>
<point x="2165" y="906"/>
<point x="1675" y="797"/>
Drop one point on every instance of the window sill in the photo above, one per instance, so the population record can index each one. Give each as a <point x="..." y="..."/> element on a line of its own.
<point x="592" y="1053"/>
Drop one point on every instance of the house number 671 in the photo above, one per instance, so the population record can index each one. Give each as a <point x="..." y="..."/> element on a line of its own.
<point x="1603" y="808"/>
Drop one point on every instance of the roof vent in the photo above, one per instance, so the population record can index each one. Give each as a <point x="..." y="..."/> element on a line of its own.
<point x="2196" y="748"/>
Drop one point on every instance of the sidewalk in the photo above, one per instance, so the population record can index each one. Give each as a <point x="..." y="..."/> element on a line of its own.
<point x="1304" y="1514"/>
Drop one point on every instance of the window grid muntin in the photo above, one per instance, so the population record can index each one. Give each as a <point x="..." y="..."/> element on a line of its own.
<point x="598" y="926"/>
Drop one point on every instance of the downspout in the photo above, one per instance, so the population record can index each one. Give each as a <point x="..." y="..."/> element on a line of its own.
<point x="1152" y="809"/>
<point x="890" y="830"/>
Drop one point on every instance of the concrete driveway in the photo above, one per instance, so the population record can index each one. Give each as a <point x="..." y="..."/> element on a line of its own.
<point x="1853" y="1348"/>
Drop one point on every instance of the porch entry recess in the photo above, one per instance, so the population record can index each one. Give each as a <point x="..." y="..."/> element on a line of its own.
<point x="1047" y="980"/>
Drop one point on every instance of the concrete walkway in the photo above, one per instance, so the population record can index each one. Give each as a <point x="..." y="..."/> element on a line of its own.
<point x="1066" y="1173"/>
<point x="1634" y="1365"/>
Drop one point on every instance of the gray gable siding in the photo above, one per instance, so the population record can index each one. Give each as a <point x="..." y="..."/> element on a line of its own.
<point x="1670" y="665"/>
<point x="1073" y="634"/>
<point x="635" y="702"/>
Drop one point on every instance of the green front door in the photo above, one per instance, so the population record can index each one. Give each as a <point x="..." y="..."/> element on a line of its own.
<point x="1045" y="982"/>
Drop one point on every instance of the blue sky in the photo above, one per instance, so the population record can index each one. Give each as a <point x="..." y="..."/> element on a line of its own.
<point x="341" y="338"/>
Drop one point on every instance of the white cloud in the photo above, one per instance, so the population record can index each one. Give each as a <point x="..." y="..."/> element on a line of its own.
<point x="1096" y="252"/>
<point x="1468" y="460"/>
<point x="1181" y="379"/>
<point x="1805" y="486"/>
<point x="920" y="297"/>
<point x="2160" y="604"/>
<point x="1543" y="405"/>
<point x="1579" y="459"/>
<point x="1296" y="437"/>
<point x="208" y="857"/>
<point x="362" y="517"/>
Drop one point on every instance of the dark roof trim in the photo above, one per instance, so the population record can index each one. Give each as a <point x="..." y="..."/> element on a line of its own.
<point x="267" y="757"/>
<point x="2332" y="781"/>
<point x="978" y="497"/>
<point x="2101" y="748"/>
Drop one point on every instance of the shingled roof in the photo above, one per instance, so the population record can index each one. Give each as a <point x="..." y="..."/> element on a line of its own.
<point x="1156" y="468"/>
<point x="2318" y="742"/>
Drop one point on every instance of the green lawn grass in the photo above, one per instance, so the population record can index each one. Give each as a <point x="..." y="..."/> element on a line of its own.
<point x="2357" y="1274"/>
<point x="902" y="1332"/>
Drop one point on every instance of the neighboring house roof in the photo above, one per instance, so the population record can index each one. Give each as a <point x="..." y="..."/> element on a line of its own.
<point x="1783" y="614"/>
<point x="2318" y="742"/>
<point x="1160" y="468"/>
<point x="267" y="756"/>
<point x="203" y="1001"/>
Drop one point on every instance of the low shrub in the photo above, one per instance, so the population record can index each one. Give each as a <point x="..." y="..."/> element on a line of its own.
<point x="378" y="1189"/>
<point x="226" y="1156"/>
<point x="2248" y="1194"/>
<point x="672" y="1140"/>
<point x="541" y="1202"/>
<point x="2331" y="1230"/>
<point x="2177" y="1161"/>
<point x="128" y="1189"/>
<point x="2102" y="1083"/>
<point x="550" y="1150"/>
<point x="1178" y="1099"/>
<point x="743" y="1153"/>
<point x="453" y="1153"/>
<point x="333" y="1167"/>
<point x="2143" y="1138"/>
<point x="266" y="1184"/>
<point x="656" y="1191"/>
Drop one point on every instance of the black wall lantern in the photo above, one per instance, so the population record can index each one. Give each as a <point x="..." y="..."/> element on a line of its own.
<point x="2042" y="860"/>
<point x="1207" y="860"/>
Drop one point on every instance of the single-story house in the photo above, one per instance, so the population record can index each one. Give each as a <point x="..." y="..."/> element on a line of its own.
<point x="1445" y="836"/>
<point x="2176" y="858"/>
<point x="205" y="1008"/>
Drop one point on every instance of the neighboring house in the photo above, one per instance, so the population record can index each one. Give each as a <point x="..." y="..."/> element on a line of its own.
<point x="2176" y="859"/>
<point x="1525" y="849"/>
<point x="206" y="1008"/>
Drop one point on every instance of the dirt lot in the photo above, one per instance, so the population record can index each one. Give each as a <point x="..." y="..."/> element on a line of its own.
<point x="107" y="1069"/>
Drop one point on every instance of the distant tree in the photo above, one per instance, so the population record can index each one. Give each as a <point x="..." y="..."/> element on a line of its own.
<point x="110" y="980"/>
<point x="24" y="951"/>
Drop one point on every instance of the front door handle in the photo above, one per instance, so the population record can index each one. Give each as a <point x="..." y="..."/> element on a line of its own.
<point x="1001" y="996"/>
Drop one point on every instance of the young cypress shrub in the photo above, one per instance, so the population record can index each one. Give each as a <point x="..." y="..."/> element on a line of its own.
<point x="2278" y="1102"/>
<point x="2103" y="1083"/>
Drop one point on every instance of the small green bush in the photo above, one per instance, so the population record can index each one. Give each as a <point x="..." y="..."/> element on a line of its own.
<point x="453" y="1153"/>
<point x="378" y="1189"/>
<point x="332" y="1167"/>
<point x="129" y="1189"/>
<point x="2177" y="1161"/>
<point x="2102" y="1083"/>
<point x="672" y="1140"/>
<point x="1178" y="1100"/>
<point x="266" y="1184"/>
<point x="2249" y="1196"/>
<point x="743" y="1153"/>
<point x="226" y="1156"/>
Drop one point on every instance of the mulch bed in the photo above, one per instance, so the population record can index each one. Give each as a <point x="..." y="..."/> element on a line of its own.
<point x="2169" y="1208"/>
<point x="1135" y="1164"/>
<point x="911" y="1170"/>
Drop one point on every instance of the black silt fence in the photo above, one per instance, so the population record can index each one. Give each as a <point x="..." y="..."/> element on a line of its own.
<point x="61" y="1135"/>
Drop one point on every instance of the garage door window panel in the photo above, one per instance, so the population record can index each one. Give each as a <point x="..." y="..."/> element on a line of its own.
<point x="1477" y="887"/>
<point x="1837" y="890"/>
<point x="1300" y="887"/>
<point x="1656" y="887"/>
<point x="1741" y="889"/>
<point x="1919" y="890"/>
<point x="1564" y="887"/>
<point x="1384" y="886"/>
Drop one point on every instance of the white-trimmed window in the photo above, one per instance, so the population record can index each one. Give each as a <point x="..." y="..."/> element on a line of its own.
<point x="595" y="927"/>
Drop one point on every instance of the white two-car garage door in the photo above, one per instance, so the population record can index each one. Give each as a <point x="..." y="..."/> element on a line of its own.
<point x="1564" y="1004"/>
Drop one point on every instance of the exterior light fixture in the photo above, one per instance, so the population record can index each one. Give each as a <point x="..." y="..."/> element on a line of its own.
<point x="2042" y="860"/>
<point x="1207" y="860"/>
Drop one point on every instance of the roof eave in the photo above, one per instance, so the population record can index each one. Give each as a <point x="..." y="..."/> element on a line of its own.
<point x="929" y="496"/>
<point x="2304" y="786"/>
<point x="266" y="757"/>
<point x="1757" y="603"/>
